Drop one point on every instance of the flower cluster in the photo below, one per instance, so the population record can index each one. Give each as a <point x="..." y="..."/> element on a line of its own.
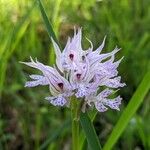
<point x="86" y="74"/>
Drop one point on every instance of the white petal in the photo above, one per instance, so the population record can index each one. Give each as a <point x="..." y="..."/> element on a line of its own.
<point x="113" y="103"/>
<point x="58" y="55"/>
<point x="31" y="64"/>
<point x="100" y="48"/>
<point x="113" y="83"/>
<point x="36" y="77"/>
<point x="32" y="83"/>
<point x="67" y="45"/>
<point x="81" y="92"/>
<point x="44" y="81"/>
<point x="105" y="93"/>
<point x="56" y="48"/>
<point x="57" y="101"/>
<point x="118" y="62"/>
<point x="91" y="48"/>
<point x="40" y="81"/>
<point x="100" y="107"/>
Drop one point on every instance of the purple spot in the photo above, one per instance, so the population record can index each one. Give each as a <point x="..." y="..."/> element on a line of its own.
<point x="60" y="85"/>
<point x="83" y="57"/>
<point x="71" y="56"/>
<point x="84" y="67"/>
<point x="78" y="76"/>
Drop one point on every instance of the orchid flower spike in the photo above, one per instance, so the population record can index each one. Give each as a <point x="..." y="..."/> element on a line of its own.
<point x="80" y="73"/>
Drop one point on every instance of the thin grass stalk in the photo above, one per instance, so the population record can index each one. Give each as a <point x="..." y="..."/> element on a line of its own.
<point x="75" y="124"/>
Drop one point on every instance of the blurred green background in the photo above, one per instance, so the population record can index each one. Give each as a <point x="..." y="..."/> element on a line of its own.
<point x="27" y="121"/>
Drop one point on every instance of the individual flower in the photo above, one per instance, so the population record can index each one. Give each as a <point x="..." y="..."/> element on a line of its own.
<point x="82" y="73"/>
<point x="59" y="87"/>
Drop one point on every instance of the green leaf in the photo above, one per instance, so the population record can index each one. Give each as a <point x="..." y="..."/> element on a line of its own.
<point x="50" y="30"/>
<point x="82" y="138"/>
<point x="47" y="23"/>
<point x="130" y="110"/>
<point x="89" y="131"/>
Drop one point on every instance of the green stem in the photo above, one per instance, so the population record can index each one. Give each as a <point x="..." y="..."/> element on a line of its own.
<point x="75" y="123"/>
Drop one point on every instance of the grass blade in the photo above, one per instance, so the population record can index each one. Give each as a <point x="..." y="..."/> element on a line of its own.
<point x="50" y="30"/>
<point x="89" y="131"/>
<point x="130" y="110"/>
<point x="47" y="23"/>
<point x="82" y="138"/>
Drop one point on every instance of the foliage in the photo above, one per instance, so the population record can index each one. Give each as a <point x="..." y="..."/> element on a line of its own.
<point x="26" y="120"/>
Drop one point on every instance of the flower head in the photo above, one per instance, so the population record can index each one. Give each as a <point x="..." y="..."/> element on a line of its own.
<point x="81" y="73"/>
